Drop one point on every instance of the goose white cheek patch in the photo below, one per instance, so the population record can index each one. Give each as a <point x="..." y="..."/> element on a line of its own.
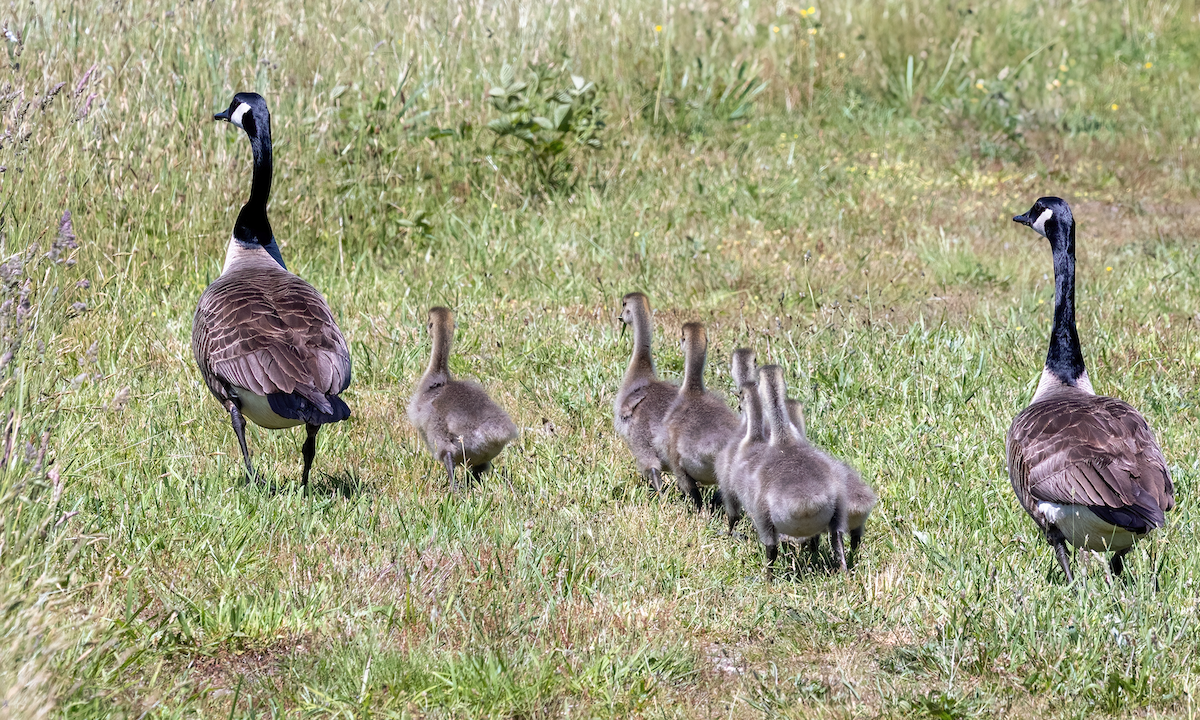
<point x="1040" y="224"/>
<point x="236" y="118"/>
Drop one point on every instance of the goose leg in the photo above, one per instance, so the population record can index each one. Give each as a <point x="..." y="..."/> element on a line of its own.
<point x="839" y="550"/>
<point x="309" y="451"/>
<point x="1060" y="550"/>
<point x="813" y="546"/>
<point x="716" y="501"/>
<point x="655" y="479"/>
<point x="691" y="489"/>
<point x="855" y="538"/>
<point x="448" y="461"/>
<point x="733" y="513"/>
<point x="1117" y="564"/>
<point x="772" y="553"/>
<point x="239" y="429"/>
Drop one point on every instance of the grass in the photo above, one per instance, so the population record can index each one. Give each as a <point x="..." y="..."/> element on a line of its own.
<point x="850" y="220"/>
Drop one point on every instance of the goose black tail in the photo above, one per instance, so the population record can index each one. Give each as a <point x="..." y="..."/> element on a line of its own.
<point x="298" y="407"/>
<point x="1134" y="518"/>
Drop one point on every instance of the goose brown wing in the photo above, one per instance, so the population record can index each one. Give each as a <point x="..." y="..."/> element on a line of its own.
<point x="1089" y="450"/>
<point x="270" y="332"/>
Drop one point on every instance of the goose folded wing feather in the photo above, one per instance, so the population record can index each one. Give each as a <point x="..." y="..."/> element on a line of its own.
<point x="632" y="400"/>
<point x="1083" y="455"/>
<point x="269" y="346"/>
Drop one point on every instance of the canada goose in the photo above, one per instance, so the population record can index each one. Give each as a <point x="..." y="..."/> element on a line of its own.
<point x="795" y="411"/>
<point x="265" y="340"/>
<point x="798" y="488"/>
<point x="743" y="371"/>
<point x="1085" y="467"/>
<point x="643" y="399"/>
<point x="744" y="374"/>
<point x="735" y="471"/>
<point x="698" y="424"/>
<point x="456" y="418"/>
<point x="741" y="367"/>
<point x="859" y="500"/>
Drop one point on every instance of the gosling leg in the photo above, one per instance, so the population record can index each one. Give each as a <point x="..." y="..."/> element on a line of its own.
<point x="691" y="489"/>
<point x="448" y="461"/>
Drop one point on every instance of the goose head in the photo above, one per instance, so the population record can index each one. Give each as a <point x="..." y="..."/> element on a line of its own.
<point x="441" y="322"/>
<point x="248" y="111"/>
<point x="693" y="339"/>
<point x="632" y="305"/>
<point x="742" y="366"/>
<point x="1049" y="217"/>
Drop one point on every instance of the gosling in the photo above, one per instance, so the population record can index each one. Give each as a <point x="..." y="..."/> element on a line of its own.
<point x="699" y="424"/>
<point x="456" y="418"/>
<point x="797" y="488"/>
<point x="642" y="400"/>
<point x="743" y="370"/>
<point x="735" y="474"/>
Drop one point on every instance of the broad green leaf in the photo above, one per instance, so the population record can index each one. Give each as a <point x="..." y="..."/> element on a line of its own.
<point x="562" y="117"/>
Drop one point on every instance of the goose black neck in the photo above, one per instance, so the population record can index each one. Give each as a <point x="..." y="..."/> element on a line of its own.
<point x="252" y="224"/>
<point x="642" y="360"/>
<point x="693" y="369"/>
<point x="1064" y="359"/>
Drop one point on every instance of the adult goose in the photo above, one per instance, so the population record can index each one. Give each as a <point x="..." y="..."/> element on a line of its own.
<point x="265" y="340"/>
<point x="1085" y="467"/>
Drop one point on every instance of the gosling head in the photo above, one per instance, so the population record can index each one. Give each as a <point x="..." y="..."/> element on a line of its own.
<point x="693" y="337"/>
<point x="1049" y="217"/>
<point x="632" y="305"/>
<point x="249" y="112"/>
<point x="773" y="394"/>
<point x="771" y="383"/>
<point x="441" y="321"/>
<point x="742" y="367"/>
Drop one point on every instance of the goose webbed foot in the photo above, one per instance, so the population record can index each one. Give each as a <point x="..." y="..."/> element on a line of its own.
<point x="309" y="451"/>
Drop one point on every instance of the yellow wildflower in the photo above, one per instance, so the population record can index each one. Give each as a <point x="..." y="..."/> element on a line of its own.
<point x="812" y="31"/>
<point x="1116" y="107"/>
<point x="1063" y="68"/>
<point x="841" y="56"/>
<point x="1108" y="269"/>
<point x="658" y="28"/>
<point x="1148" y="65"/>
<point x="774" y="28"/>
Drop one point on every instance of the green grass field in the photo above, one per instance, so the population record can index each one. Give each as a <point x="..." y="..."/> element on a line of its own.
<point x="832" y="187"/>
